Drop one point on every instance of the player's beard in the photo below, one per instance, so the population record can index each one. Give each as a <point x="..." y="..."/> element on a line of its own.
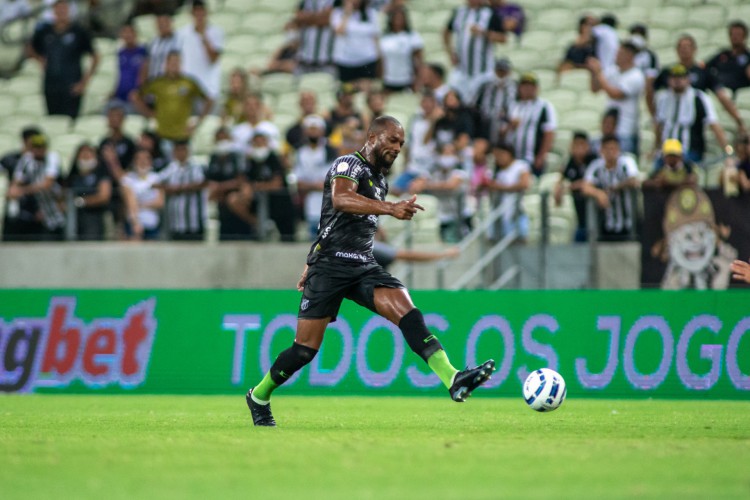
<point x="383" y="162"/>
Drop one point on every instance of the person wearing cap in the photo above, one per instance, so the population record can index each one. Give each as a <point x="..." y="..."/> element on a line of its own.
<point x="623" y="83"/>
<point x="33" y="191"/>
<point x="477" y="28"/>
<point x="732" y="65"/>
<point x="493" y="101"/>
<point x="675" y="171"/>
<point x="59" y="47"/>
<point x="310" y="166"/>
<point x="682" y="113"/>
<point x="184" y="185"/>
<point x="700" y="76"/>
<point x="533" y="122"/>
<point x="201" y="47"/>
<point x="609" y="181"/>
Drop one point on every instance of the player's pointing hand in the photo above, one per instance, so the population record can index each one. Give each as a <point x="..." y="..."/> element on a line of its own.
<point x="405" y="209"/>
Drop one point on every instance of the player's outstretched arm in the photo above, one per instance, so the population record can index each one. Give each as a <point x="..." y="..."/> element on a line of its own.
<point x="741" y="270"/>
<point x="346" y="199"/>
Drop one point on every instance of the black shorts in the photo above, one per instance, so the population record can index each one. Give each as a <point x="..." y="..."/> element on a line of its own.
<point x="353" y="73"/>
<point x="328" y="283"/>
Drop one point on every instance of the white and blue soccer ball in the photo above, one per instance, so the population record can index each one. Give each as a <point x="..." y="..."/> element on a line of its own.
<point x="544" y="390"/>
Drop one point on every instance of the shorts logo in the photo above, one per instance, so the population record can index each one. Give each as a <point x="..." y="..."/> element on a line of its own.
<point x="305" y="304"/>
<point x="342" y="167"/>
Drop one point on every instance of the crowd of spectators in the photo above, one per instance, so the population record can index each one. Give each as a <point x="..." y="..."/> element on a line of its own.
<point x="481" y="131"/>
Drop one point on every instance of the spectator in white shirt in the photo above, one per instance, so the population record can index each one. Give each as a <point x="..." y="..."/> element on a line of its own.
<point x="401" y="50"/>
<point x="201" y="46"/>
<point x="512" y="179"/>
<point x="624" y="84"/>
<point x="243" y="132"/>
<point x="355" y="45"/>
<point x="606" y="40"/>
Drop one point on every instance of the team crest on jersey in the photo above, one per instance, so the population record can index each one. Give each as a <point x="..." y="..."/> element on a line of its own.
<point x="342" y="167"/>
<point x="305" y="304"/>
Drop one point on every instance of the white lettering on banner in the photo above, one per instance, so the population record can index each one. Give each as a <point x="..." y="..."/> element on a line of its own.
<point x="739" y="380"/>
<point x="544" y="351"/>
<point x="711" y="352"/>
<point x="651" y="380"/>
<point x="320" y="376"/>
<point x="673" y="348"/>
<point x="601" y="380"/>
<point x="501" y="325"/>
<point x="386" y="378"/>
<point x="280" y="322"/>
<point x="239" y="324"/>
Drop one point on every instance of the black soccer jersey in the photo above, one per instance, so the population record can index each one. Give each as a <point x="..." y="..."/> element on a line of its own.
<point x="342" y="236"/>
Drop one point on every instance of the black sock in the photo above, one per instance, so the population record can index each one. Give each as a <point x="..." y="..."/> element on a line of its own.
<point x="291" y="360"/>
<point x="419" y="338"/>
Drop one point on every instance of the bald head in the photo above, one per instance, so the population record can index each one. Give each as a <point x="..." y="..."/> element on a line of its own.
<point x="382" y="123"/>
<point x="384" y="140"/>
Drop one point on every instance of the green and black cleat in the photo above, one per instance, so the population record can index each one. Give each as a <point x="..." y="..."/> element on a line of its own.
<point x="469" y="379"/>
<point x="262" y="416"/>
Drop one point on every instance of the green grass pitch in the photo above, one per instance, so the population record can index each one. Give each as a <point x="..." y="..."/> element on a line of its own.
<point x="380" y="448"/>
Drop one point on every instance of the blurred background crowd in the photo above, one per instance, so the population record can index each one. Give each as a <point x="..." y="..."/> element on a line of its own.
<point x="210" y="119"/>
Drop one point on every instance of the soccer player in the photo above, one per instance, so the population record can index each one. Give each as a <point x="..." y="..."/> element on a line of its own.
<point x="341" y="265"/>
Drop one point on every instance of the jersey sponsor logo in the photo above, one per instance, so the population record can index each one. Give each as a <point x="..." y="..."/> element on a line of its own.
<point x="326" y="232"/>
<point x="352" y="255"/>
<point x="305" y="304"/>
<point x="343" y="166"/>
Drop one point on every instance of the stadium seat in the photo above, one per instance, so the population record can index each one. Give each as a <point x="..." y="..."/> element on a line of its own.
<point x="708" y="16"/>
<point x="578" y="80"/>
<point x="319" y="82"/>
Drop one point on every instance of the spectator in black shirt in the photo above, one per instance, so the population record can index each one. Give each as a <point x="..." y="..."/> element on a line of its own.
<point x="580" y="50"/>
<point x="91" y="187"/>
<point x="581" y="155"/>
<point x="456" y="125"/>
<point x="224" y="174"/>
<point x="732" y="65"/>
<point x="267" y="184"/>
<point x="59" y="48"/>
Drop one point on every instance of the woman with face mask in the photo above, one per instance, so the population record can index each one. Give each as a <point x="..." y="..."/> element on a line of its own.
<point x="91" y="187"/>
<point x="143" y="199"/>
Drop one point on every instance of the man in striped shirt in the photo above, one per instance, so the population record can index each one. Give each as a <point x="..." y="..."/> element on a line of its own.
<point x="163" y="44"/>
<point x="31" y="195"/>
<point x="609" y="180"/>
<point x="316" y="37"/>
<point x="184" y="183"/>
<point x="533" y="123"/>
<point x="476" y="28"/>
<point x="682" y="112"/>
<point x="493" y="101"/>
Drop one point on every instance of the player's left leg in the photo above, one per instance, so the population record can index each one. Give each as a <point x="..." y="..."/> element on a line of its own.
<point x="396" y="305"/>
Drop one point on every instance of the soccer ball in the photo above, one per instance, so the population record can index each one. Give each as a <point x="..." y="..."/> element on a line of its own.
<point x="544" y="390"/>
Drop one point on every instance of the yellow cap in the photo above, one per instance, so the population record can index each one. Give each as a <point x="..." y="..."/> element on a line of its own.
<point x="672" y="147"/>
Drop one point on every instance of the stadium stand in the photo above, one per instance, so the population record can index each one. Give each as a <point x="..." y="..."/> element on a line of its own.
<point x="254" y="29"/>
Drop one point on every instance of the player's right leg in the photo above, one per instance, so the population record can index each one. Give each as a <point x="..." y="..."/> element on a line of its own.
<point x="303" y="350"/>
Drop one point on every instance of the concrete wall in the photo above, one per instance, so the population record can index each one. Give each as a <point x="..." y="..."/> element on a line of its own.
<point x="277" y="266"/>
